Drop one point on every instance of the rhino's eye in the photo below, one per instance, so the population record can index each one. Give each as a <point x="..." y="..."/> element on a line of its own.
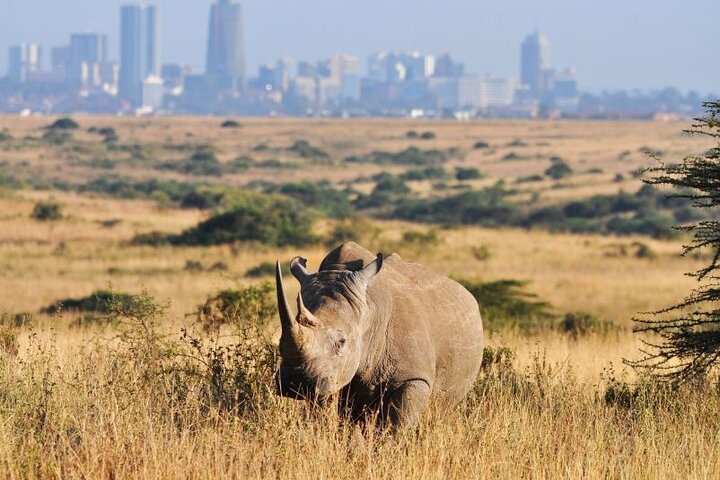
<point x="340" y="343"/>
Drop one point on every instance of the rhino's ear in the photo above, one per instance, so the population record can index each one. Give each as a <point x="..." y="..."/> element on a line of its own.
<point x="298" y="267"/>
<point x="363" y="278"/>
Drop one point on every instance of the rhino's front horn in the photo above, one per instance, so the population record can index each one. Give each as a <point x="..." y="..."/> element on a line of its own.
<point x="291" y="329"/>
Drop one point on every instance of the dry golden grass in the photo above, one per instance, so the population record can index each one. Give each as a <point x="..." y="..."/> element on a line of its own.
<point x="73" y="404"/>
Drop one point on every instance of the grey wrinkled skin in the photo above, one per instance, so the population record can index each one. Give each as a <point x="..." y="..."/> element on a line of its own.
<point x="388" y="335"/>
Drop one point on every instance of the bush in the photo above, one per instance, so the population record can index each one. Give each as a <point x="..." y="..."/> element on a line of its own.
<point x="427" y="173"/>
<point x="46" y="211"/>
<point x="530" y="178"/>
<point x="266" y="219"/>
<point x="230" y="124"/>
<point x="577" y="324"/>
<point x="409" y="156"/>
<point x="65" y="123"/>
<point x="505" y="304"/>
<point x="203" y="162"/>
<point x="320" y="195"/>
<point x="266" y="269"/>
<point x="427" y="136"/>
<point x="255" y="304"/>
<point x="96" y="307"/>
<point x="412" y="134"/>
<point x="469" y="173"/>
<point x="305" y="150"/>
<point x="481" y="145"/>
<point x="354" y="229"/>
<point x="559" y="169"/>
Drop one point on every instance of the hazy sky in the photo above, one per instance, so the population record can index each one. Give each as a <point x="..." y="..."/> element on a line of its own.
<point x="613" y="43"/>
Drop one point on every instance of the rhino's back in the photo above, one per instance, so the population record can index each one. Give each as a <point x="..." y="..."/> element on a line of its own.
<point x="435" y="326"/>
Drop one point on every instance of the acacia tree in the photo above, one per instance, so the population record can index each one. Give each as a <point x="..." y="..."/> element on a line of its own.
<point x="686" y="340"/>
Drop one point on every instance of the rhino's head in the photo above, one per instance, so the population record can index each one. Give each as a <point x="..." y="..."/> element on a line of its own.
<point x="322" y="346"/>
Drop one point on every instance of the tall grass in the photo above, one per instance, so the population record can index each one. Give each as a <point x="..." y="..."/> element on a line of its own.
<point x="143" y="401"/>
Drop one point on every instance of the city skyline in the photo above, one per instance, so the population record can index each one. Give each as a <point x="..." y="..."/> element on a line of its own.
<point x="655" y="54"/>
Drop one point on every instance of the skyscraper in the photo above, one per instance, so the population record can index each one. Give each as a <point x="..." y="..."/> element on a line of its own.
<point x="534" y="60"/>
<point x="23" y="60"/>
<point x="139" y="49"/>
<point x="226" y="45"/>
<point x="87" y="58"/>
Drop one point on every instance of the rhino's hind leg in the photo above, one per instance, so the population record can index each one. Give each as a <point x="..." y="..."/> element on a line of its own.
<point x="407" y="403"/>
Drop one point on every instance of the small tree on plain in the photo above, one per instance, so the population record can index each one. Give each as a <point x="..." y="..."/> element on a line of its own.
<point x="686" y="340"/>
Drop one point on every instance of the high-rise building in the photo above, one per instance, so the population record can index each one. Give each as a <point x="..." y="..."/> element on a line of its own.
<point x="87" y="59"/>
<point x="139" y="49"/>
<point x="226" y="45"/>
<point x="345" y="69"/>
<point x="534" y="60"/>
<point x="23" y="61"/>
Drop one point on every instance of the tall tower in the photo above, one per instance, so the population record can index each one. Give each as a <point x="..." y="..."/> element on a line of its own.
<point x="226" y="45"/>
<point x="23" y="60"/>
<point x="534" y="60"/>
<point x="139" y="49"/>
<point x="87" y="57"/>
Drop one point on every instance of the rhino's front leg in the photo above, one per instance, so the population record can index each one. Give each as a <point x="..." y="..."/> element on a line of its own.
<point x="407" y="403"/>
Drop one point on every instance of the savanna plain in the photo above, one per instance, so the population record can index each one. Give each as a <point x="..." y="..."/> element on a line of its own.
<point x="138" y="325"/>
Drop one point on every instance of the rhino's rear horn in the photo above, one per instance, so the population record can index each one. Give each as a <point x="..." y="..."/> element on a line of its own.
<point x="298" y="267"/>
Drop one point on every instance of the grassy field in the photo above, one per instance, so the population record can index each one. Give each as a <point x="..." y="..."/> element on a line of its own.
<point x="136" y="398"/>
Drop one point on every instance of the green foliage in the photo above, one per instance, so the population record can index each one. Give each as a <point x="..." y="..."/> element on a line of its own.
<point x="409" y="156"/>
<point x="356" y="229"/>
<point x="304" y="149"/>
<point x="266" y="269"/>
<point x="230" y="124"/>
<point x="266" y="219"/>
<point x="481" y="145"/>
<point x="530" y="178"/>
<point x="57" y="137"/>
<point x="422" y="239"/>
<point x="427" y="173"/>
<point x="255" y="303"/>
<point x="203" y="162"/>
<point x="577" y="324"/>
<point x="487" y="207"/>
<point x="427" y="136"/>
<point x="685" y="342"/>
<point x="504" y="304"/>
<point x="96" y="307"/>
<point x="319" y="195"/>
<point x="559" y="169"/>
<point x="469" y="173"/>
<point x="47" y="211"/>
<point x="65" y="123"/>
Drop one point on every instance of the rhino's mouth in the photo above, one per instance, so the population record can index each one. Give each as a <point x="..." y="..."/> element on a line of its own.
<point x="296" y="384"/>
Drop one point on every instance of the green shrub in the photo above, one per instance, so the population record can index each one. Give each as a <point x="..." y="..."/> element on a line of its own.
<point x="230" y="124"/>
<point x="518" y="142"/>
<point x="96" y="307"/>
<point x="412" y="134"/>
<point x="427" y="173"/>
<point x="65" y="123"/>
<point x="266" y="269"/>
<point x="255" y="303"/>
<point x="424" y="239"/>
<point x="304" y="149"/>
<point x="409" y="156"/>
<point x="577" y="324"/>
<point x="47" y="211"/>
<point x="559" y="169"/>
<point x="356" y="229"/>
<point x="266" y="219"/>
<point x="530" y="178"/>
<point x="319" y="195"/>
<point x="427" y="136"/>
<point x="504" y="304"/>
<point x="469" y="173"/>
<point x="202" y="162"/>
<point x="481" y="145"/>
